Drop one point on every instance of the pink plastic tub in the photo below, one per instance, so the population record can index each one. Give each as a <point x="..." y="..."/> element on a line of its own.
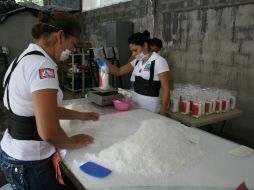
<point x="122" y="105"/>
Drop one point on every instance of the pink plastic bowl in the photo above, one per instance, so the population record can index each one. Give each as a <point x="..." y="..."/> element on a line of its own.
<point x="122" y="105"/>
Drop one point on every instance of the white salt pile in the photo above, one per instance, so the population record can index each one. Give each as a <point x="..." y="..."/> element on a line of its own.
<point x="155" y="148"/>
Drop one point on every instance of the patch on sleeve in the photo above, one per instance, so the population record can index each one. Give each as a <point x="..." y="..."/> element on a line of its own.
<point x="47" y="73"/>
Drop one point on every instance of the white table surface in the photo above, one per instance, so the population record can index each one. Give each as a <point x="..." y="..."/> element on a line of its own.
<point x="217" y="168"/>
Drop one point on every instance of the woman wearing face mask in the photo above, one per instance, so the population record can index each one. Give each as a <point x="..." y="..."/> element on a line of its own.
<point x="150" y="72"/>
<point x="32" y="99"/>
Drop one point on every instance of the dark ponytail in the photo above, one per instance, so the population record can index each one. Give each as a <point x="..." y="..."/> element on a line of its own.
<point x="37" y="31"/>
<point x="140" y="38"/>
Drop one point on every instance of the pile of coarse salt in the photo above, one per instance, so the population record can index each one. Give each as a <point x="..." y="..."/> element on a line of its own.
<point x="155" y="148"/>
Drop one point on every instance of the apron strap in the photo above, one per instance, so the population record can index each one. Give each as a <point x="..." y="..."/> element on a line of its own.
<point x="14" y="65"/>
<point x="152" y="71"/>
<point x="136" y="63"/>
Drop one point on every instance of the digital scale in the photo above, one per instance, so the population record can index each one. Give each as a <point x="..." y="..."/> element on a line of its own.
<point x="103" y="97"/>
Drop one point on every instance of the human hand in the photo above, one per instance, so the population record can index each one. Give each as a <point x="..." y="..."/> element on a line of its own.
<point x="81" y="140"/>
<point x="131" y="58"/>
<point x="89" y="116"/>
<point x="99" y="56"/>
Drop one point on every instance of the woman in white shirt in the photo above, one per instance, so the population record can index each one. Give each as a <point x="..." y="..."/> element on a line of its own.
<point x="32" y="100"/>
<point x="150" y="73"/>
<point x="156" y="45"/>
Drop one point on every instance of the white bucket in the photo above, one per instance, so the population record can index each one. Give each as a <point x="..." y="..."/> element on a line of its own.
<point x="174" y="105"/>
<point x="232" y="100"/>
<point x="213" y="106"/>
<point x="185" y="107"/>
<point x="196" y="110"/>
<point x="208" y="107"/>
<point x="218" y="106"/>
<point x="225" y="105"/>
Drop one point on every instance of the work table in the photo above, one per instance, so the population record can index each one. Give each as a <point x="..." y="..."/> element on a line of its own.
<point x="216" y="169"/>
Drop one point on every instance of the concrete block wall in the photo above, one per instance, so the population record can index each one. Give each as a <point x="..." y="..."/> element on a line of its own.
<point x="95" y="21"/>
<point x="213" y="44"/>
<point x="71" y="4"/>
<point x="213" y="47"/>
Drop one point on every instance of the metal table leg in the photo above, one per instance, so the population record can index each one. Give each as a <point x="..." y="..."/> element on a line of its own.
<point x="222" y="127"/>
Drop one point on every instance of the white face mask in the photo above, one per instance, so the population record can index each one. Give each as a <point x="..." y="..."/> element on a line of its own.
<point x="140" y="56"/>
<point x="64" y="55"/>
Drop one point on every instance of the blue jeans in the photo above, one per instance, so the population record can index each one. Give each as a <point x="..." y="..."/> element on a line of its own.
<point x="29" y="175"/>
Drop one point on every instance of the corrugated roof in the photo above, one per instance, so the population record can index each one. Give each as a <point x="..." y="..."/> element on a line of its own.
<point x="10" y="7"/>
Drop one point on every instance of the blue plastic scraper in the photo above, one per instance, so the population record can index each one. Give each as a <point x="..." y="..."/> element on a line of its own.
<point x="95" y="170"/>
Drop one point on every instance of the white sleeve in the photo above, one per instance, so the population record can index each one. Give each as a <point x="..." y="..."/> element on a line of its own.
<point x="133" y="63"/>
<point x="161" y="66"/>
<point x="43" y="76"/>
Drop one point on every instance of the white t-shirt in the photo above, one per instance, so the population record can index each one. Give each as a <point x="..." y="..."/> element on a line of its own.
<point x="143" y="70"/>
<point x="33" y="73"/>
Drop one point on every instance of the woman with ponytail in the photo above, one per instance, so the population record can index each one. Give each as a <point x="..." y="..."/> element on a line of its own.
<point x="32" y="100"/>
<point x="150" y="73"/>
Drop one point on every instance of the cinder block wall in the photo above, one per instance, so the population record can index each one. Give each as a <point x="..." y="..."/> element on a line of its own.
<point x="95" y="21"/>
<point x="213" y="44"/>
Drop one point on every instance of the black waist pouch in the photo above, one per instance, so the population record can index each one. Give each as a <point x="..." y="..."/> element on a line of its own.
<point x="21" y="127"/>
<point x="146" y="87"/>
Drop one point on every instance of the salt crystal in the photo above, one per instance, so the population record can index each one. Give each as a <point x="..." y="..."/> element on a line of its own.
<point x="155" y="148"/>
